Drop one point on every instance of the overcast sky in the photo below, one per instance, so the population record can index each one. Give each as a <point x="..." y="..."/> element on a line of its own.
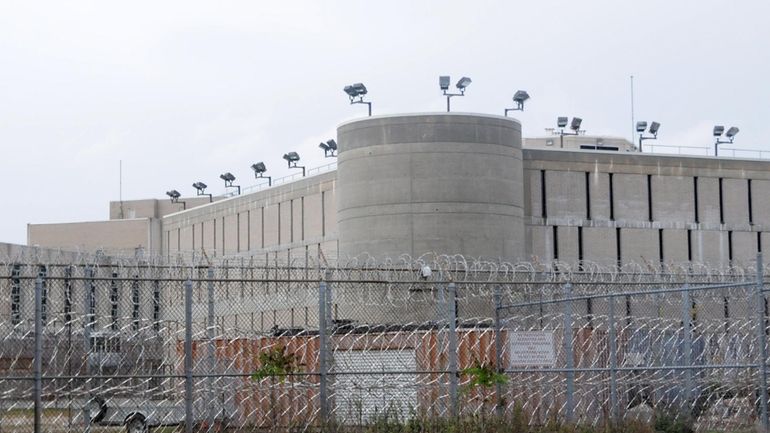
<point x="183" y="91"/>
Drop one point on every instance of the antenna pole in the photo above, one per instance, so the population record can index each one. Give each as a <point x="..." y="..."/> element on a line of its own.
<point x="120" y="187"/>
<point x="632" y="112"/>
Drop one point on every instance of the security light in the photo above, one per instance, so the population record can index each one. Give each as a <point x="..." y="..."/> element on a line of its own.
<point x="229" y="178"/>
<point x="463" y="83"/>
<point x="575" y="125"/>
<point x="201" y="187"/>
<point x="292" y="158"/>
<point x="443" y="82"/>
<point x="174" y="194"/>
<point x="259" y="167"/>
<point x="641" y="126"/>
<point x="518" y="98"/>
<point x="360" y="89"/>
<point x="718" y="130"/>
<point x="356" y="94"/>
<point x="329" y="148"/>
<point x="561" y="122"/>
<point x="259" y="172"/>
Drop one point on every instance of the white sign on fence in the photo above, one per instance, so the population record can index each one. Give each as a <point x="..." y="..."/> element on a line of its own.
<point x="533" y="348"/>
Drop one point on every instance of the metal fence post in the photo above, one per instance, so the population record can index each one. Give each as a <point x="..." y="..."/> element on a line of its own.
<point x="38" y="352"/>
<point x="322" y="353"/>
<point x="762" y="336"/>
<point x="570" y="357"/>
<point x="499" y="350"/>
<point x="211" y="362"/>
<point x="88" y="324"/>
<point x="188" y="357"/>
<point x="687" y="344"/>
<point x="613" y="361"/>
<point x="452" y="349"/>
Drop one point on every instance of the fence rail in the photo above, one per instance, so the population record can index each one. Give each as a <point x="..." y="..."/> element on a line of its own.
<point x="253" y="347"/>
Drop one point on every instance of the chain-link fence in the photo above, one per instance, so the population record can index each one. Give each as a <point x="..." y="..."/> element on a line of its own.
<point x="242" y="345"/>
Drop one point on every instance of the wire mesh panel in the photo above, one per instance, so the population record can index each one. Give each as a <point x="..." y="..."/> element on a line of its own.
<point x="292" y="344"/>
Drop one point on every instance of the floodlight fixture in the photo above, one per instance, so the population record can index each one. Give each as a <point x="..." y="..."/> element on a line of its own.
<point x="201" y="189"/>
<point x="259" y="172"/>
<point x="174" y="195"/>
<point x="443" y="82"/>
<point x="575" y="125"/>
<point x="562" y="122"/>
<point x="641" y="126"/>
<point x="356" y="94"/>
<point x="718" y="130"/>
<point x="229" y="178"/>
<point x="518" y="98"/>
<point x="292" y="158"/>
<point x="329" y="148"/>
<point x="462" y="84"/>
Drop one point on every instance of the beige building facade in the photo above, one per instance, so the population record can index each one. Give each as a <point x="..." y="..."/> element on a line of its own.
<point x="454" y="183"/>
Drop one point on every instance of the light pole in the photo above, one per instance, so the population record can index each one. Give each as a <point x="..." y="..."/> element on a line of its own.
<point x="641" y="126"/>
<point x="718" y="130"/>
<point x="201" y="188"/>
<point x="229" y="178"/>
<point x="330" y="148"/>
<point x="292" y="158"/>
<point x="174" y="195"/>
<point x="259" y="172"/>
<point x="518" y="98"/>
<point x="358" y="90"/>
<point x="462" y="84"/>
<point x="561" y="122"/>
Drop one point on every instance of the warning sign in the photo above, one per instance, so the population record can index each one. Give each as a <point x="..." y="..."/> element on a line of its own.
<point x="533" y="348"/>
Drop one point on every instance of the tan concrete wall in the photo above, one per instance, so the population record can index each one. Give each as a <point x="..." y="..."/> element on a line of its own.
<point x="120" y="236"/>
<point x="153" y="208"/>
<point x="286" y="217"/>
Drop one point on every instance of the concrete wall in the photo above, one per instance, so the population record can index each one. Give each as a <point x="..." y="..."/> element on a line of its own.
<point x="298" y="217"/>
<point x="116" y="236"/>
<point x="643" y="208"/>
<point x="416" y="184"/>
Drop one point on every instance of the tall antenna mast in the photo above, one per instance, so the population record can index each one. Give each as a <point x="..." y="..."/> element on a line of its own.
<point x="633" y="130"/>
<point x="120" y="187"/>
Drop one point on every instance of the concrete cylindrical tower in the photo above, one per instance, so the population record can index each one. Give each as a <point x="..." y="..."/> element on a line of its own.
<point x="447" y="183"/>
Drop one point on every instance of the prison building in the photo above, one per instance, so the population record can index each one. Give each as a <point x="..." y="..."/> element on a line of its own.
<point x="454" y="183"/>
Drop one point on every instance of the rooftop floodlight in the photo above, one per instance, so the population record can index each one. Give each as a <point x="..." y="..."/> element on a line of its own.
<point x="356" y="94"/>
<point x="462" y="84"/>
<point x="518" y="98"/>
<point x="641" y="126"/>
<point x="575" y="125"/>
<point x="259" y="172"/>
<point x="201" y="189"/>
<point x="174" y="194"/>
<point x="443" y="82"/>
<point x="330" y="148"/>
<point x="718" y="130"/>
<point x="229" y="178"/>
<point x="561" y="123"/>
<point x="292" y="158"/>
